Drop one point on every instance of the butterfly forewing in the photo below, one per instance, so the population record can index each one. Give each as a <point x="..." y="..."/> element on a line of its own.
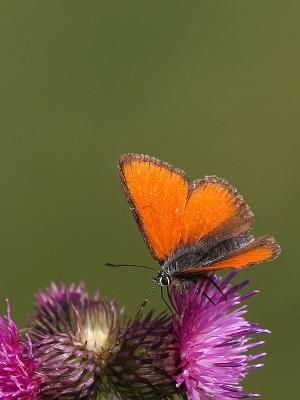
<point x="157" y="194"/>
<point x="215" y="209"/>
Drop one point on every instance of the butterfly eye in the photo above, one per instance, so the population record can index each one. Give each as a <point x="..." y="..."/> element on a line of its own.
<point x="164" y="280"/>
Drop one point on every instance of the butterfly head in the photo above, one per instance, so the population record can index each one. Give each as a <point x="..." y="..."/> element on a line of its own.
<point x="163" y="278"/>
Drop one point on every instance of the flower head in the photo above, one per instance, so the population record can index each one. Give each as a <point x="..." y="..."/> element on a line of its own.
<point x="146" y="362"/>
<point x="85" y="347"/>
<point x="55" y="306"/>
<point x="73" y="337"/>
<point x="213" y="337"/>
<point x="18" y="368"/>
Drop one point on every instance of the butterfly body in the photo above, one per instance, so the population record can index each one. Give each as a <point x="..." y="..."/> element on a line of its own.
<point x="200" y="256"/>
<point x="190" y="228"/>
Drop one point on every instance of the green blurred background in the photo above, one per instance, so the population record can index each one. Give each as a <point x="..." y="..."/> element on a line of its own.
<point x="212" y="87"/>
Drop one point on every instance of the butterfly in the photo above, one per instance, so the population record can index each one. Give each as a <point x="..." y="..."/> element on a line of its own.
<point x="193" y="228"/>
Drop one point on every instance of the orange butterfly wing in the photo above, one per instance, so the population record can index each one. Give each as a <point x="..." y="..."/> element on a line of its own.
<point x="214" y="209"/>
<point x="262" y="249"/>
<point x="157" y="195"/>
<point x="171" y="213"/>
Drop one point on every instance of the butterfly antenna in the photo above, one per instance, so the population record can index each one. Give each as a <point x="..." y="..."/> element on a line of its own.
<point x="148" y="297"/>
<point x="166" y="303"/>
<point x="127" y="265"/>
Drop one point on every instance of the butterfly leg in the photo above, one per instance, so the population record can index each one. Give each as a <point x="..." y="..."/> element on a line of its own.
<point x="208" y="298"/>
<point x="166" y="303"/>
<point x="203" y="290"/>
<point x="213" y="282"/>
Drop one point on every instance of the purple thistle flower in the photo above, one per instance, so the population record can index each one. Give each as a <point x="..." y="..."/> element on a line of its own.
<point x="55" y="306"/>
<point x="19" y="379"/>
<point x="73" y="337"/>
<point x="146" y="362"/>
<point x="213" y="337"/>
<point x="84" y="350"/>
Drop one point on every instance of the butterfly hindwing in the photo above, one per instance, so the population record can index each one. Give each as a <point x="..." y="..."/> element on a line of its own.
<point x="258" y="250"/>
<point x="203" y="254"/>
<point x="157" y="195"/>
